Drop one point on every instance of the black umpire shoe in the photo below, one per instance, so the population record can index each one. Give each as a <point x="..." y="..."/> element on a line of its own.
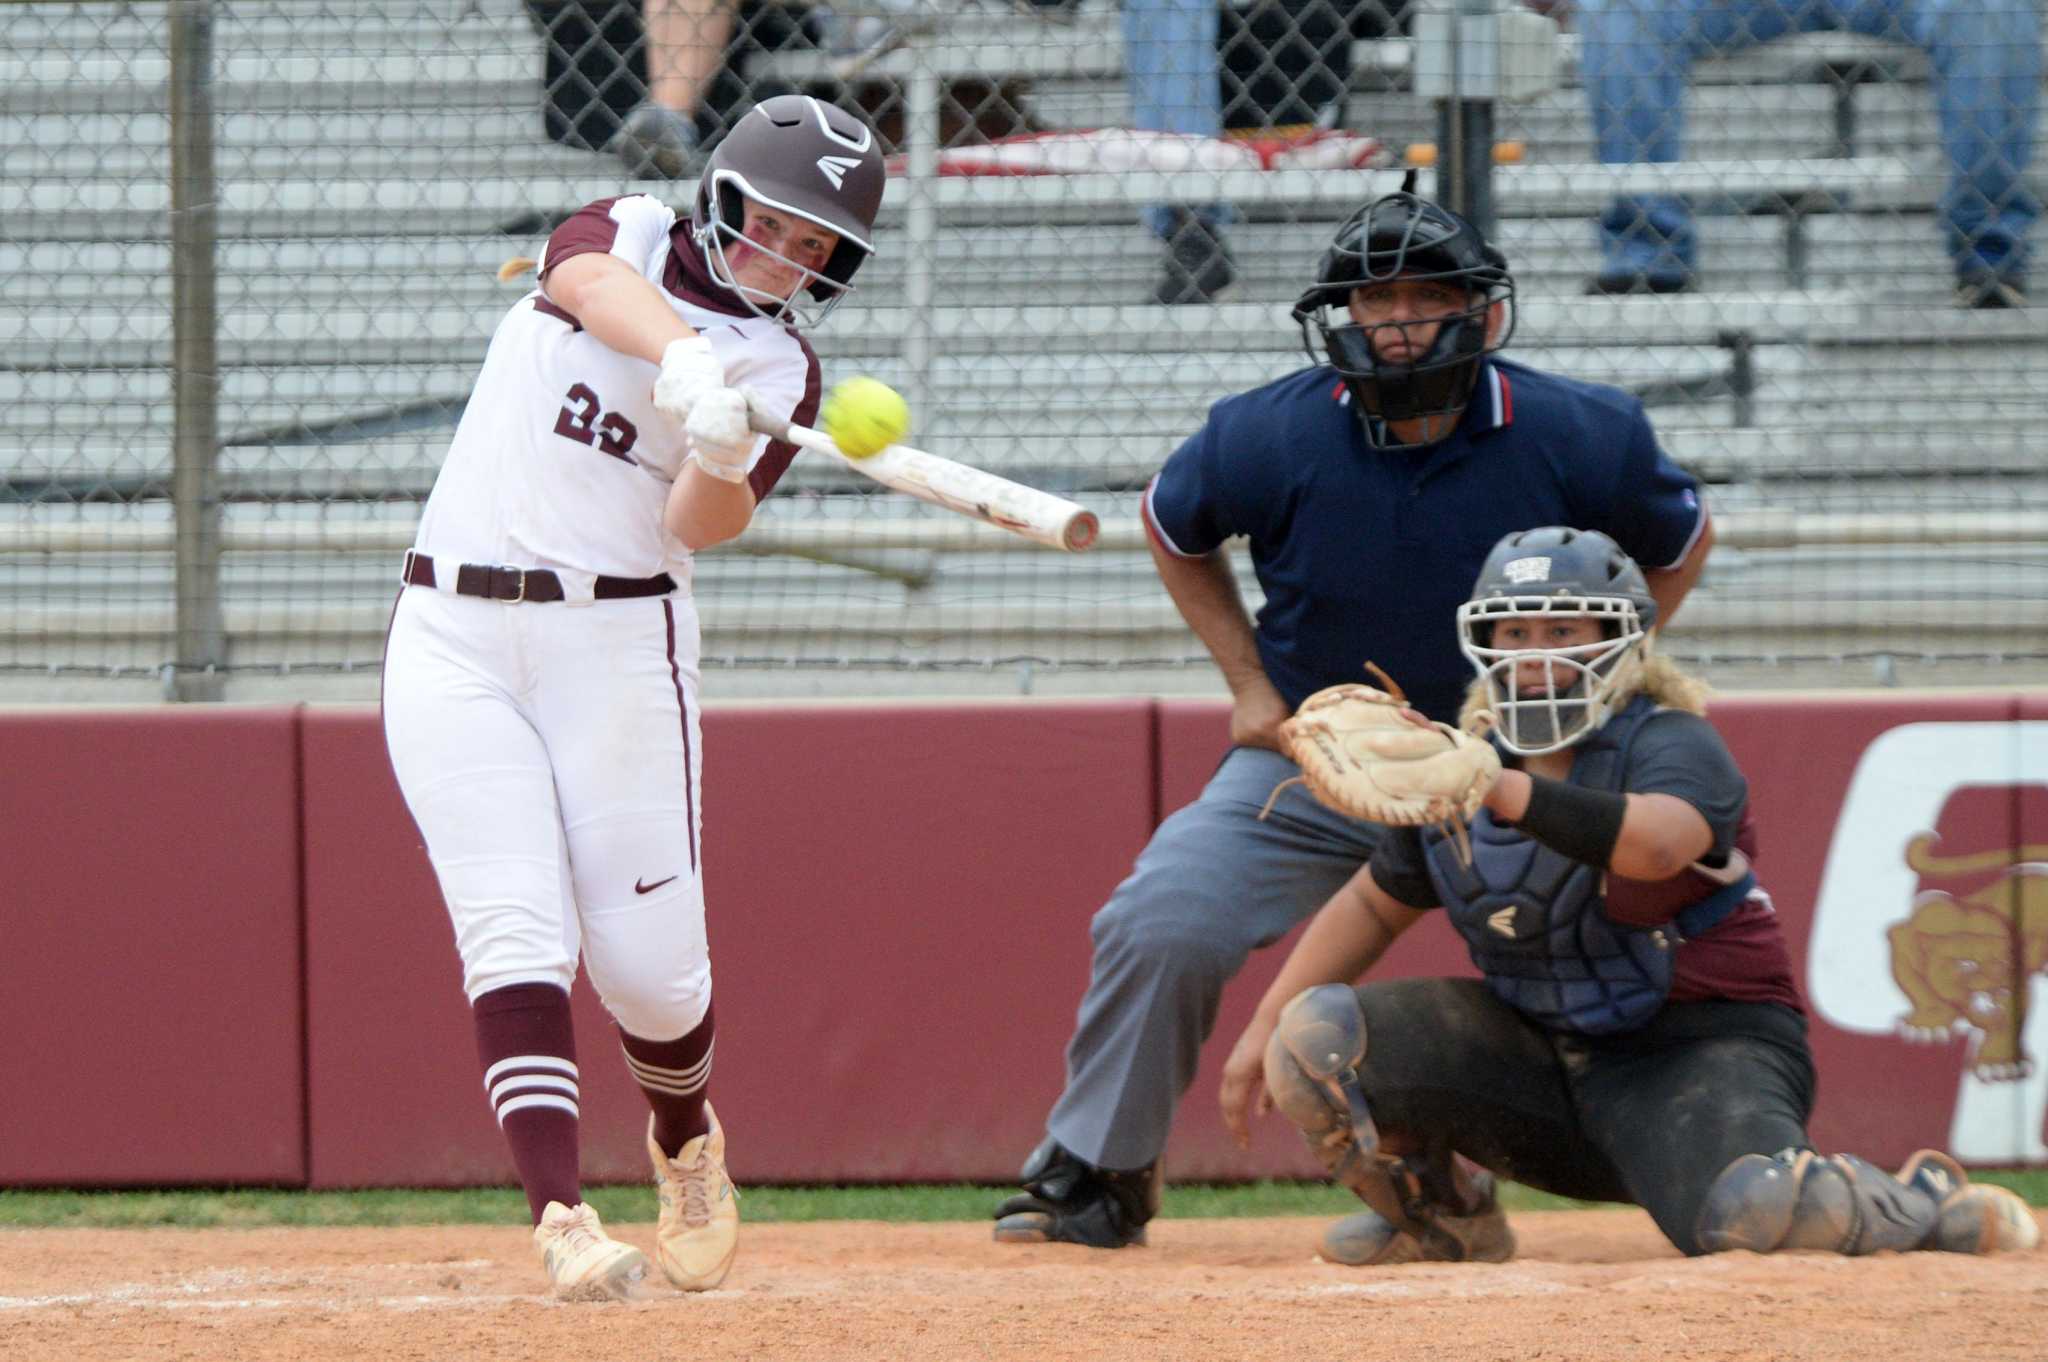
<point x="1198" y="263"/>
<point x="1068" y="1201"/>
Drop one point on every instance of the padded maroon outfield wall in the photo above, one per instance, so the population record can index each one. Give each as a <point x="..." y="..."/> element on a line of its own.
<point x="898" y="902"/>
<point x="149" y="971"/>
<point x="1843" y="871"/>
<point x="900" y="898"/>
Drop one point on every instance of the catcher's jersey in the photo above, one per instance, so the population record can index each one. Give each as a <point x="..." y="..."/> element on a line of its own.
<point x="561" y="460"/>
<point x="1743" y="957"/>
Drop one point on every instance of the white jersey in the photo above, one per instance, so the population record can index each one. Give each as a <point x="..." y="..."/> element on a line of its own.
<point x="561" y="460"/>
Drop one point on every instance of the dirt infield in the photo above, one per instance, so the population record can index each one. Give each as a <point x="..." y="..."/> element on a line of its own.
<point x="1587" y="1285"/>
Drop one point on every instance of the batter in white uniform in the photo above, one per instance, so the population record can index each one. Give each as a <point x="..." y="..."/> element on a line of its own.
<point x="541" y="678"/>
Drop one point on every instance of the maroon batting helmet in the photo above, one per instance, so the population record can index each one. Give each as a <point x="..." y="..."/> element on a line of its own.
<point x="805" y="157"/>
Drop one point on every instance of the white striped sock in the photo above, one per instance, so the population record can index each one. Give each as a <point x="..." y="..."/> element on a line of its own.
<point x="526" y="1081"/>
<point x="674" y="1082"/>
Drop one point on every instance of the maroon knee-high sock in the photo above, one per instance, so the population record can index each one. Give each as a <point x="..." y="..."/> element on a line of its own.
<point x="675" y="1075"/>
<point x="527" y="1046"/>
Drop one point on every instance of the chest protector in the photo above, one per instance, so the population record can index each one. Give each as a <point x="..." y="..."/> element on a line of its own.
<point x="1534" y="920"/>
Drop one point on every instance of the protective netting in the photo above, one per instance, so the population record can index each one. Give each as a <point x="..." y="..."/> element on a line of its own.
<point x="251" y="248"/>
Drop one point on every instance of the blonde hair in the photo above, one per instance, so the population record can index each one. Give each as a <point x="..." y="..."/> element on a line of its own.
<point x="1657" y="676"/>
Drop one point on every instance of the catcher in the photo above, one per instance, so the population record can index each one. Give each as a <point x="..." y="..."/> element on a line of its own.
<point x="1637" y="1036"/>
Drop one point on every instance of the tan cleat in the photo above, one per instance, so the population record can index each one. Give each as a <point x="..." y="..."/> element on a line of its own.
<point x="1368" y="1239"/>
<point x="1975" y="1217"/>
<point x="583" y="1262"/>
<point x="700" y="1209"/>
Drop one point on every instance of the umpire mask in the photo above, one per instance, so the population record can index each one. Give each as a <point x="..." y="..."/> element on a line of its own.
<point x="1403" y="237"/>
<point x="1545" y="699"/>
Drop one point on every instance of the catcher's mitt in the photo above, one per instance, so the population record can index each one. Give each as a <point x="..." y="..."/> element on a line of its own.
<point x="1360" y="755"/>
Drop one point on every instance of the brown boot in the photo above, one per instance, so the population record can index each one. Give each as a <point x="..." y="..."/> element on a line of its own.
<point x="1369" y="1239"/>
<point x="1976" y="1217"/>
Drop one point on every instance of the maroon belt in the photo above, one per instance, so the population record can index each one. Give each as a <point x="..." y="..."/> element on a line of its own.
<point x="528" y="584"/>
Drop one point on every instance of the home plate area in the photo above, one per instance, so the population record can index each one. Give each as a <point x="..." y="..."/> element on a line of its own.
<point x="1598" y="1284"/>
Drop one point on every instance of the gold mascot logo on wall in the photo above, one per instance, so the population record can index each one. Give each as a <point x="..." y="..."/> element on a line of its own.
<point x="1954" y="957"/>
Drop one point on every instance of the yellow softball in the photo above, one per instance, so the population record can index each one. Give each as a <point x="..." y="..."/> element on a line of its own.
<point x="864" y="416"/>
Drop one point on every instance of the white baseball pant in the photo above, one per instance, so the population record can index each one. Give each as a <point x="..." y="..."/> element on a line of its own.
<point x="551" y="756"/>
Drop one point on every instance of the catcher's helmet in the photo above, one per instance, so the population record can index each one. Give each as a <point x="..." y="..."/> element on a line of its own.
<point x="1402" y="236"/>
<point x="1555" y="573"/>
<point x="805" y="157"/>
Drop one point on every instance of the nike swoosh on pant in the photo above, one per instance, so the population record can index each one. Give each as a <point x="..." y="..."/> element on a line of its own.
<point x="640" y="888"/>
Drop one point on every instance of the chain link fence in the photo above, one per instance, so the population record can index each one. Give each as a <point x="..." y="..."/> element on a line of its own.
<point x="251" y="251"/>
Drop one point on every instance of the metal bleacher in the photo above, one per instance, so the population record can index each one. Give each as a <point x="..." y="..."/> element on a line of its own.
<point x="379" y="158"/>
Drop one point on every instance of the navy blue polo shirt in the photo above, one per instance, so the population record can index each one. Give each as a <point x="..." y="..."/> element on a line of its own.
<point x="1365" y="554"/>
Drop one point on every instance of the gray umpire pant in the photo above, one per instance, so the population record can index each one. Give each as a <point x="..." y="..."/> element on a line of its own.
<point x="1214" y="884"/>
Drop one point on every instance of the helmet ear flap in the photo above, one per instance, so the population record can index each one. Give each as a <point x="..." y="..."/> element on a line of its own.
<point x="846" y="258"/>
<point x="731" y="206"/>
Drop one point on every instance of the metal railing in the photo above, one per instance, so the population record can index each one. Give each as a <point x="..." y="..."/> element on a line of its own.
<point x="261" y="326"/>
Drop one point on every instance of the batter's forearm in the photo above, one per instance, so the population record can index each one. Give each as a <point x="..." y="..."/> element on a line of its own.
<point x="703" y="510"/>
<point x="616" y="306"/>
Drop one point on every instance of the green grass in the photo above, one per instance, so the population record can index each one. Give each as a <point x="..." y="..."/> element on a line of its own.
<point x="259" y="1208"/>
<point x="252" y="1208"/>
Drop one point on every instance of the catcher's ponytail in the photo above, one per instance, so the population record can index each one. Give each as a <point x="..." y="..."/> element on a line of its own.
<point x="1671" y="686"/>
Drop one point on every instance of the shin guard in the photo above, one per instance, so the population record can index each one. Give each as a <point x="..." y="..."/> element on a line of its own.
<point x="1797" y="1199"/>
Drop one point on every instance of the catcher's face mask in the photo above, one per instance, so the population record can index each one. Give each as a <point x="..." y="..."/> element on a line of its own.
<point x="1546" y="698"/>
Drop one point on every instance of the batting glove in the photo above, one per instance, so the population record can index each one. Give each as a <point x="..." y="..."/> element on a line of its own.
<point x="688" y="371"/>
<point x="720" y="439"/>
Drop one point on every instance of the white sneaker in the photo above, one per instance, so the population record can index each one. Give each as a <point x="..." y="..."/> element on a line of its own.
<point x="700" y="1209"/>
<point x="583" y="1262"/>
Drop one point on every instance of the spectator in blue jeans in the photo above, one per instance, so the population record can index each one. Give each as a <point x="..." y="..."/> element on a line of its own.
<point x="1985" y="57"/>
<point x="1235" y="68"/>
<point x="1170" y="61"/>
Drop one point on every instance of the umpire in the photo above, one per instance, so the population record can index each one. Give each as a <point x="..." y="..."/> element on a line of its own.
<point x="1370" y="488"/>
